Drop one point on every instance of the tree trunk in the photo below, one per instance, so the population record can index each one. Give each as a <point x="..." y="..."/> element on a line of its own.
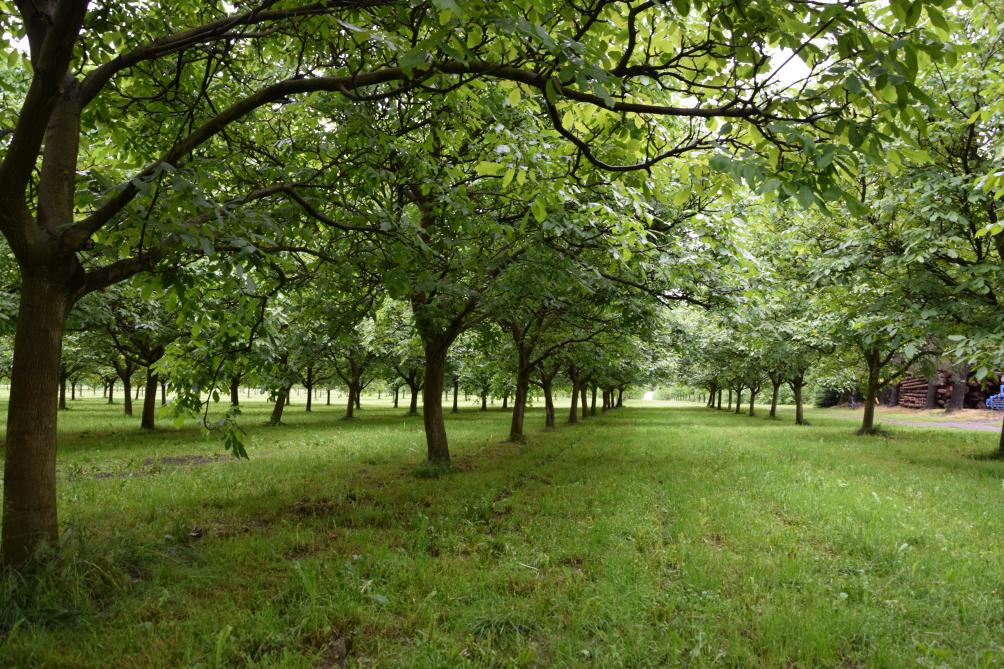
<point x="111" y="391"/>
<point x="960" y="387"/>
<point x="62" y="389"/>
<point x="719" y="398"/>
<point x="456" y="387"/>
<point x="752" y="400"/>
<point x="484" y="401"/>
<point x="739" y="399"/>
<point x="620" y="397"/>
<point x="729" y="407"/>
<point x="396" y="393"/>
<point x="797" y="383"/>
<point x="519" y="403"/>
<point x="350" y="406"/>
<point x="548" y="389"/>
<point x="573" y="414"/>
<point x="413" y="406"/>
<point x="73" y="390"/>
<point x="358" y="395"/>
<point x="327" y="401"/>
<point x="583" y="391"/>
<point x="774" y="391"/>
<point x="872" y="358"/>
<point x="235" y="396"/>
<point x="280" y="404"/>
<point x="137" y="393"/>
<point x="432" y="401"/>
<point x="894" y="399"/>
<point x="148" y="421"/>
<point x="29" y="493"/>
<point x="931" y="401"/>
<point x="163" y="393"/>
<point x="127" y="394"/>
<point x="592" y="407"/>
<point x="505" y="401"/>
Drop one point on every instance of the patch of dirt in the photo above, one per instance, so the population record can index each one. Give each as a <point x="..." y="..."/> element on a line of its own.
<point x="336" y="654"/>
<point x="152" y="466"/>
<point x="984" y="426"/>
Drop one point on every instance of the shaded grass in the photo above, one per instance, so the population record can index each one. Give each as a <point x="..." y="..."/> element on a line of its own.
<point x="645" y="537"/>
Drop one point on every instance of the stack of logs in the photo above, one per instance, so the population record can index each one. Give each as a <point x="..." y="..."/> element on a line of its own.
<point x="914" y="392"/>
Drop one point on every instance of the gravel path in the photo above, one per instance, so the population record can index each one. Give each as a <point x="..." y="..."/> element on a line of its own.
<point x="986" y="426"/>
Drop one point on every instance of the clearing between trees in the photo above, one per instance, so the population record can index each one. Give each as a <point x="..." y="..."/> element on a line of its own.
<point x="646" y="536"/>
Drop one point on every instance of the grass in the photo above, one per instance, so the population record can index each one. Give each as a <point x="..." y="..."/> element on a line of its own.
<point x="646" y="537"/>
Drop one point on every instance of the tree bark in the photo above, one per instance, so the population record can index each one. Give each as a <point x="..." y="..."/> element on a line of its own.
<point x="127" y="395"/>
<point x="62" y="388"/>
<point x="620" y="397"/>
<point x="546" y="386"/>
<point x="739" y="399"/>
<point x="719" y="398"/>
<point x="931" y="401"/>
<point x="111" y="391"/>
<point x="456" y="387"/>
<point x="775" y="389"/>
<point x="235" y="395"/>
<point x="484" y="400"/>
<point x="148" y="422"/>
<point x="592" y="407"/>
<point x="519" y="402"/>
<point x="73" y="390"/>
<point x="573" y="414"/>
<point x="163" y="392"/>
<point x="797" y="382"/>
<point x="729" y="407"/>
<point x="350" y="406"/>
<point x="438" y="449"/>
<point x="585" y="401"/>
<point x="280" y="404"/>
<point x="29" y="494"/>
<point x="413" y="406"/>
<point x="873" y="359"/>
<point x="960" y="386"/>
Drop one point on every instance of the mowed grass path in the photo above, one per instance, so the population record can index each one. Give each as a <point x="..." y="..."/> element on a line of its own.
<point x="644" y="537"/>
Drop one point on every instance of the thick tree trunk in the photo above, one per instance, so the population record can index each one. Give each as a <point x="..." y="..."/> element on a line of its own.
<point x="310" y="398"/>
<point x="280" y="404"/>
<point x="350" y="405"/>
<point x="872" y="358"/>
<point x="573" y="413"/>
<point x="719" y="398"/>
<point x="137" y="393"/>
<point x="111" y="391"/>
<point x="432" y="401"/>
<point x="484" y="401"/>
<point x="547" y="388"/>
<point x="592" y="407"/>
<point x="960" y="386"/>
<point x="752" y="400"/>
<point x="359" y="395"/>
<point x="739" y="399"/>
<point x="62" y="389"/>
<point x="397" y="391"/>
<point x="456" y="388"/>
<point x="235" y="387"/>
<point x="73" y="390"/>
<point x="774" y="392"/>
<point x="931" y="401"/>
<point x="583" y="394"/>
<point x="413" y="406"/>
<point x="797" y="383"/>
<point x="29" y="494"/>
<point x="127" y="395"/>
<point x="505" y="401"/>
<point x="327" y="401"/>
<point x="519" y="402"/>
<point x="148" y="421"/>
<point x="620" y="397"/>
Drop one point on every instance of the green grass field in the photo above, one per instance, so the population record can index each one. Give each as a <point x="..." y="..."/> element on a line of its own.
<point x="646" y="537"/>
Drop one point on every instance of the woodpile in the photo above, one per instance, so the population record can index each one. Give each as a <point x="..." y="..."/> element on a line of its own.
<point x="913" y="392"/>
